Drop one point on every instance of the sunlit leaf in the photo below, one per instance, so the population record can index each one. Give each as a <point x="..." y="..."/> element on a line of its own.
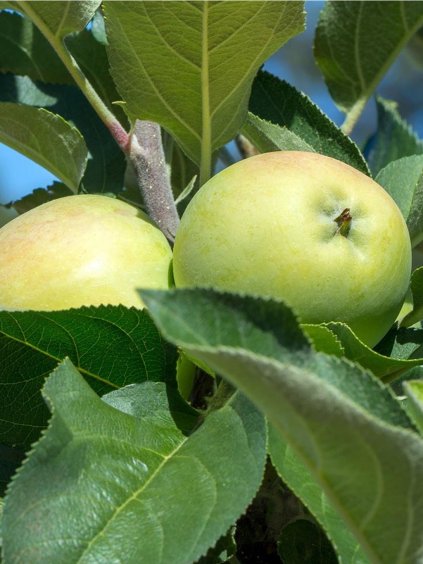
<point x="131" y="485"/>
<point x="57" y="19"/>
<point x="403" y="180"/>
<point x="343" y="426"/>
<point x="293" y="113"/>
<point x="111" y="346"/>
<point x="393" y="139"/>
<point x="47" y="139"/>
<point x="356" y="42"/>
<point x="189" y="65"/>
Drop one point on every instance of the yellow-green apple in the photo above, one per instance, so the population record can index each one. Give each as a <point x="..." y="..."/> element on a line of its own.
<point x="80" y="250"/>
<point x="304" y="228"/>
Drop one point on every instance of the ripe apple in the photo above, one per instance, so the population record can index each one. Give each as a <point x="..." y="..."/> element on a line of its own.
<point x="304" y="228"/>
<point x="80" y="250"/>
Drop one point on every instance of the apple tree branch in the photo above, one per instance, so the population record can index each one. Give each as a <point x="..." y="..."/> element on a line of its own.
<point x="148" y="160"/>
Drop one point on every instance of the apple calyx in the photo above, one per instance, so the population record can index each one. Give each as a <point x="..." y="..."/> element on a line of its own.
<point x="344" y="222"/>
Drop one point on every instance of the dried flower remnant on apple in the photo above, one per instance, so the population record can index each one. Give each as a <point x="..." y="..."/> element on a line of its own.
<point x="253" y="242"/>
<point x="343" y="222"/>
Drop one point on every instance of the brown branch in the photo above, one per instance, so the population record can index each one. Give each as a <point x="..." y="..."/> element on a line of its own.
<point x="245" y="147"/>
<point x="147" y="157"/>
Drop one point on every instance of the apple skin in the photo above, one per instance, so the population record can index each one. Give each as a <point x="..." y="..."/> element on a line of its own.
<point x="80" y="250"/>
<point x="266" y="226"/>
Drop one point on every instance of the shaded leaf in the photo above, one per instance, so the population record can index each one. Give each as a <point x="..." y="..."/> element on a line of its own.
<point x="189" y="65"/>
<point x="98" y="27"/>
<point x="302" y="482"/>
<point x="266" y="328"/>
<point x="187" y="191"/>
<point x="40" y="196"/>
<point x="417" y="290"/>
<point x="182" y="169"/>
<point x="414" y="391"/>
<point x="22" y="90"/>
<point x="394" y="138"/>
<point x="318" y="404"/>
<point x="111" y="346"/>
<point x="356" y="42"/>
<point x="124" y="493"/>
<point x="278" y="102"/>
<point x="106" y="162"/>
<point x="92" y="59"/>
<point x="402" y="343"/>
<point x="6" y="215"/>
<point x="57" y="19"/>
<point x="302" y="542"/>
<point x="46" y="138"/>
<point x="267" y="136"/>
<point x="25" y="51"/>
<point x="403" y="180"/>
<point x="350" y="346"/>
<point x="222" y="552"/>
<point x="10" y="460"/>
<point x="160" y="405"/>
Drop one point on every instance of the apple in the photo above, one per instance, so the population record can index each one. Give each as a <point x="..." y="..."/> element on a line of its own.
<point x="80" y="250"/>
<point x="306" y="229"/>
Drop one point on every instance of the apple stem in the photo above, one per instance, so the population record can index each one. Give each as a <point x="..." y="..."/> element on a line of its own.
<point x="344" y="222"/>
<point x="148" y="159"/>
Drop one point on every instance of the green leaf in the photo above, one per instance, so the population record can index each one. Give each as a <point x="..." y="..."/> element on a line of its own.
<point x="127" y="349"/>
<point x="98" y="27"/>
<point x="103" y="484"/>
<point x="10" y="460"/>
<point x="394" y="138"/>
<point x="92" y="58"/>
<point x="403" y="180"/>
<point x="106" y="162"/>
<point x="40" y="196"/>
<point x="323" y="339"/>
<point x="58" y="19"/>
<point x="186" y="192"/>
<point x="22" y="90"/>
<point x="26" y="52"/>
<point x="308" y="490"/>
<point x="415" y="48"/>
<point x="45" y="138"/>
<point x="151" y="402"/>
<point x="414" y="391"/>
<point x="302" y="542"/>
<point x="403" y="343"/>
<point x="349" y="431"/>
<point x="356" y="42"/>
<point x="279" y="103"/>
<point x="189" y="65"/>
<point x="267" y="328"/>
<point x="182" y="169"/>
<point x="417" y="290"/>
<point x="6" y="215"/>
<point x="106" y="165"/>
<point x="344" y="342"/>
<point x="267" y="136"/>
<point x="1" y="520"/>
<point x="224" y="550"/>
